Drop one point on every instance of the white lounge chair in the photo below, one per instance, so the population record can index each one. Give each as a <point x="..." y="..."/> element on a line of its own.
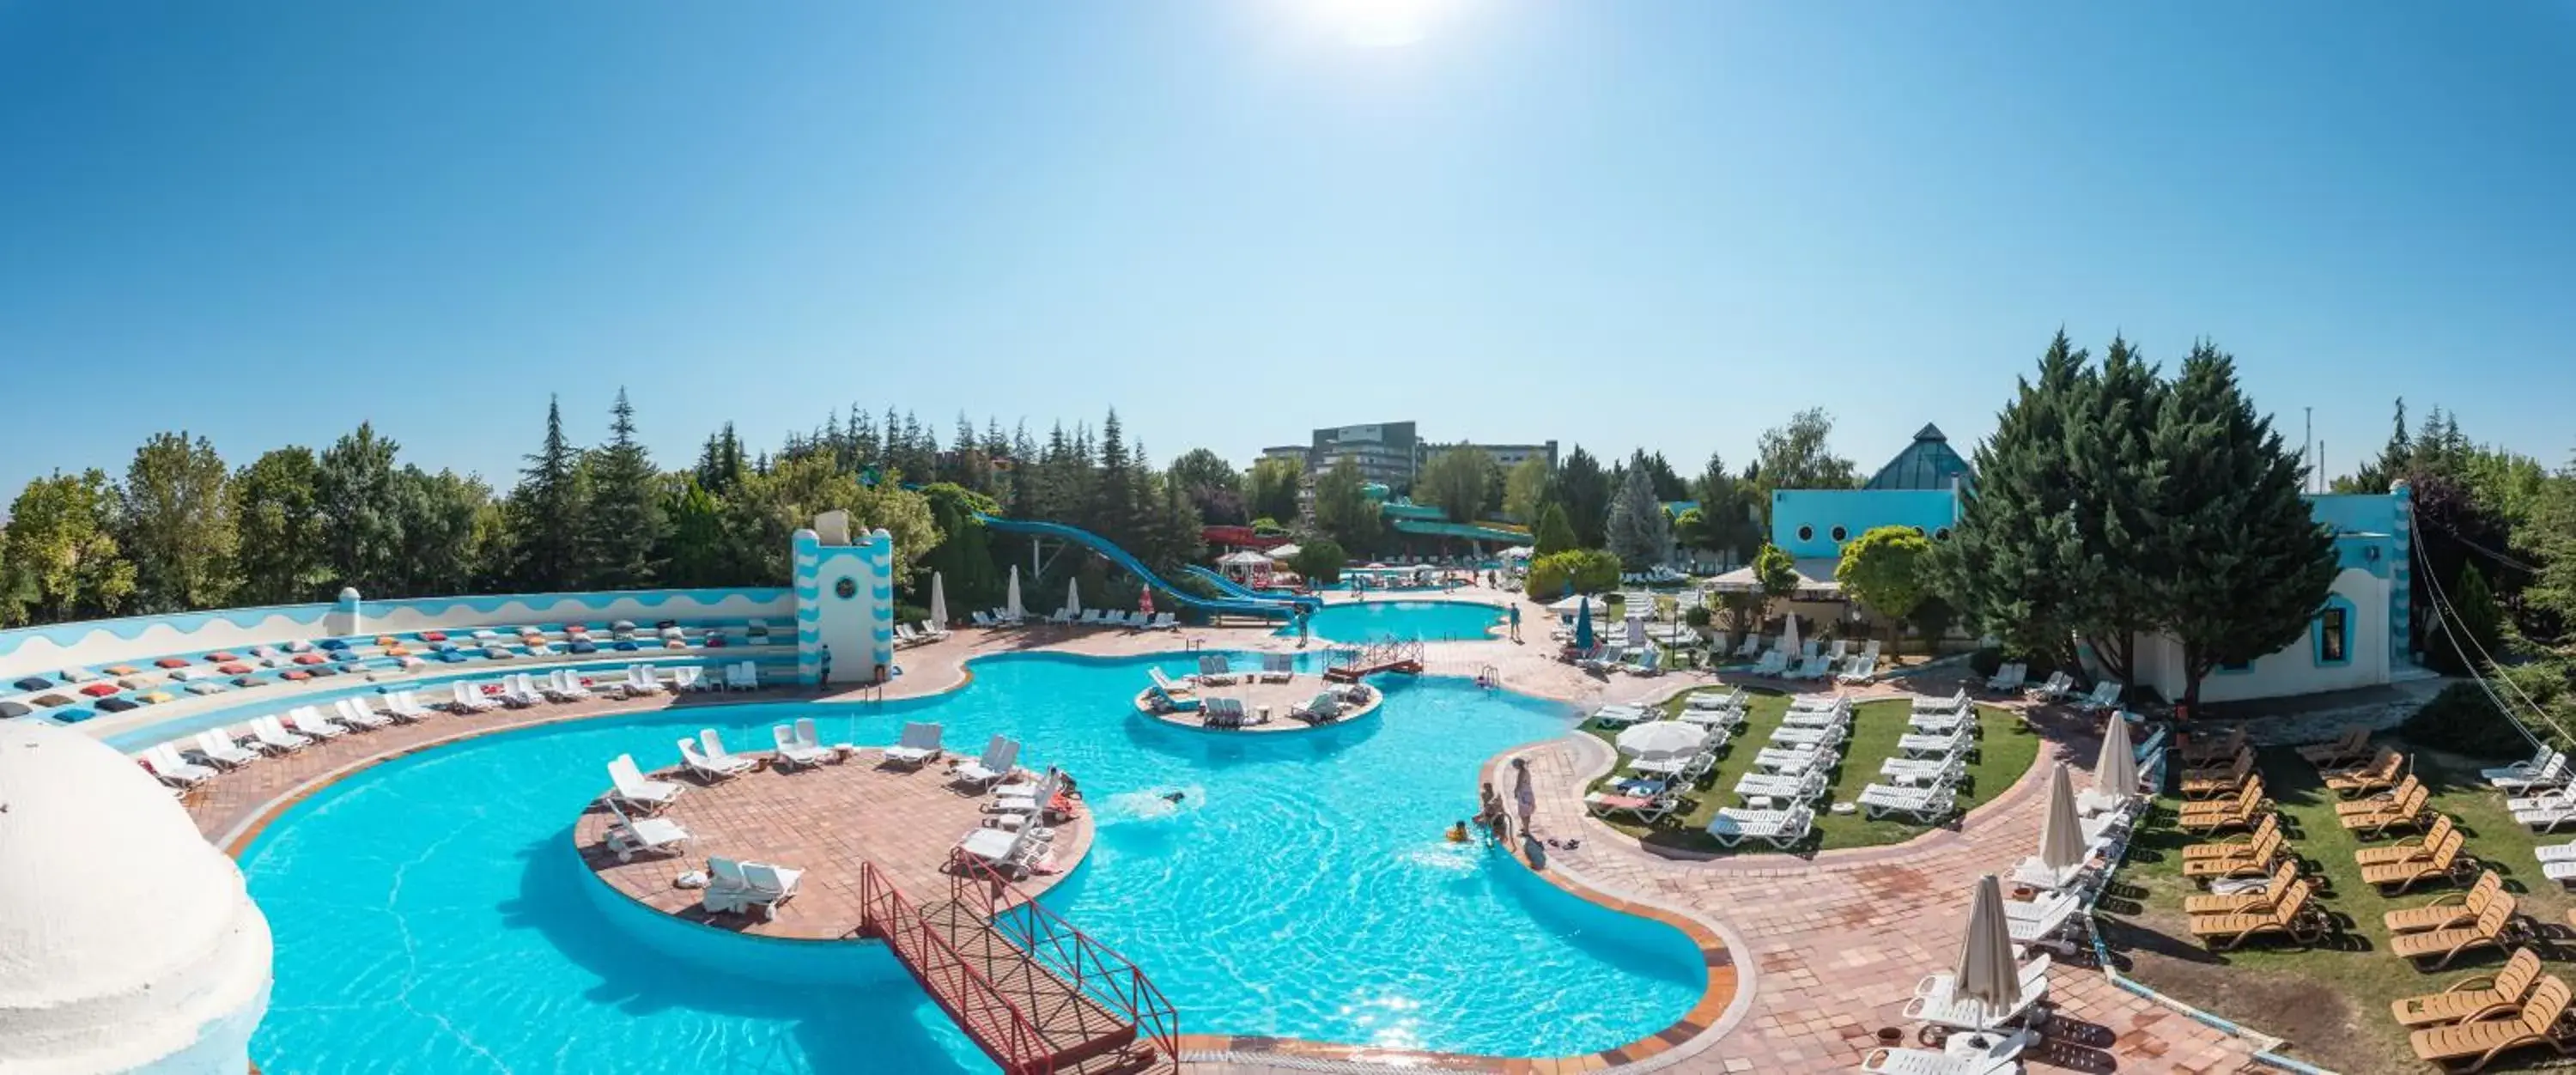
<point x="1810" y="737"/>
<point x="1781" y="829"/>
<point x="630" y="787"/>
<point x="1858" y="670"/>
<point x="806" y="738"/>
<point x="1959" y="740"/>
<point x="221" y="752"/>
<point x="273" y="738"/>
<point x="1791" y="761"/>
<point x="918" y="747"/>
<point x="744" y="887"/>
<point x="2552" y="773"/>
<point x="355" y="713"/>
<point x="640" y="681"/>
<point x="1816" y="667"/>
<point x="696" y="761"/>
<point x="2008" y="678"/>
<point x="1936" y="1002"/>
<point x="932" y="632"/>
<point x="1925" y="804"/>
<point x="743" y="677"/>
<point x="1648" y="809"/>
<point x="1165" y="621"/>
<point x="1799" y="788"/>
<point x="163" y="761"/>
<point x="1752" y="646"/>
<point x="564" y="685"/>
<point x="2059" y="687"/>
<point x="2105" y="696"/>
<point x="1620" y="715"/>
<point x="2058" y="883"/>
<point x="1816" y="718"/>
<point x="1730" y="699"/>
<point x="1000" y="755"/>
<point x="1026" y="799"/>
<point x="2000" y="1058"/>
<point x="791" y="752"/>
<point x="520" y="691"/>
<point x="982" y="620"/>
<point x="1954" y="703"/>
<point x="1945" y="769"/>
<point x="630" y="836"/>
<point x="688" y="677"/>
<point x="1942" y="723"/>
<point x="466" y="699"/>
<point x="712" y="745"/>
<point x="405" y="706"/>
<point x="307" y="720"/>
<point x="1011" y="852"/>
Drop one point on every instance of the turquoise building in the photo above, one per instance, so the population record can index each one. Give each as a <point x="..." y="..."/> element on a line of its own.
<point x="2358" y="637"/>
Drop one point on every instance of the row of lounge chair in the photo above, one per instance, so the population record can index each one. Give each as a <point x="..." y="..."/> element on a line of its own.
<point x="929" y="631"/>
<point x="1812" y="664"/>
<point x="1089" y="617"/>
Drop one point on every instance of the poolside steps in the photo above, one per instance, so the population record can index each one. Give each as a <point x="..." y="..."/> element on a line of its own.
<point x="1024" y="1012"/>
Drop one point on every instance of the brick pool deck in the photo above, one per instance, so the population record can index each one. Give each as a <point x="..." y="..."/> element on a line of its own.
<point x="825" y="820"/>
<point x="1808" y="955"/>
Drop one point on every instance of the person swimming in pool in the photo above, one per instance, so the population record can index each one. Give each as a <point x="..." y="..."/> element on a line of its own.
<point x="1174" y="797"/>
<point x="1458" y="833"/>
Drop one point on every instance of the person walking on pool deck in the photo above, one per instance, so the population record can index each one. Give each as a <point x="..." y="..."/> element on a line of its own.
<point x="827" y="667"/>
<point x="1516" y="623"/>
<point x="1522" y="795"/>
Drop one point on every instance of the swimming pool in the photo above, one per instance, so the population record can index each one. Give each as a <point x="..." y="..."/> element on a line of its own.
<point x="1429" y="621"/>
<point x="430" y="913"/>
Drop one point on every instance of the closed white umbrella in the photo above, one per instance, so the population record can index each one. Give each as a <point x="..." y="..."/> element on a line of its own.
<point x="2115" y="773"/>
<point x="2061" y="836"/>
<point x="1011" y="598"/>
<point x="1662" y="739"/>
<point x="1637" y="632"/>
<point x="1789" y="637"/>
<point x="1986" y="973"/>
<point x="938" y="601"/>
<point x="1072" y="597"/>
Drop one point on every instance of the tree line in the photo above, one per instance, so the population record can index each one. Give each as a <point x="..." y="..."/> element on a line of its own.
<point x="182" y="529"/>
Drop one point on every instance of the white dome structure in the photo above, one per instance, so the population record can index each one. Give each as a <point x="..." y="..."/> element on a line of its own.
<point x="127" y="942"/>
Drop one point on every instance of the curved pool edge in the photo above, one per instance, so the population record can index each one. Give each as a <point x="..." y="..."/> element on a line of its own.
<point x="1723" y="1000"/>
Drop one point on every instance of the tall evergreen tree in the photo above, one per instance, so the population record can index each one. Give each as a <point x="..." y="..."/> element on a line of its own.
<point x="2123" y="480"/>
<point x="1343" y="510"/>
<point x="2015" y="564"/>
<point x="1638" y="532"/>
<point x="1583" y="487"/>
<point x="353" y="487"/>
<point x="623" y="526"/>
<point x="2243" y="564"/>
<point x="1113" y="511"/>
<point x="1551" y="534"/>
<point x="547" y="516"/>
<point x="177" y="524"/>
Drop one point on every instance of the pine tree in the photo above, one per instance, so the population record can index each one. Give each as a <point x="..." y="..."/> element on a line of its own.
<point x="1550" y="534"/>
<point x="624" y="525"/>
<point x="1584" y="489"/>
<point x="2241" y="564"/>
<point x="546" y="513"/>
<point x="1638" y="531"/>
<point x="2122" y="481"/>
<point x="2015" y="564"/>
<point x="1114" y="508"/>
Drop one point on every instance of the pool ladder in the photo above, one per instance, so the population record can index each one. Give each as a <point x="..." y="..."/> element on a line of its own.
<point x="1489" y="677"/>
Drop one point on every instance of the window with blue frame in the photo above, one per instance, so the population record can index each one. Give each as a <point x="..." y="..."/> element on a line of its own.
<point x="2334" y="635"/>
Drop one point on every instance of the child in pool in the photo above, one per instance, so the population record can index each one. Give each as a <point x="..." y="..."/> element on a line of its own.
<point x="1458" y="833"/>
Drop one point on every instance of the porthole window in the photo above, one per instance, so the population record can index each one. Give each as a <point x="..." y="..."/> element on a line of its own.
<point x="1918" y="531"/>
<point x="847" y="588"/>
<point x="1806" y="533"/>
<point x="1840" y="534"/>
<point x="1942" y="534"/>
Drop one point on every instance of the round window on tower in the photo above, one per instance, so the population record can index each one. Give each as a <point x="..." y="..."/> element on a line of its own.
<point x="1941" y="534"/>
<point x="1806" y="533"/>
<point x="847" y="588"/>
<point x="1840" y="534"/>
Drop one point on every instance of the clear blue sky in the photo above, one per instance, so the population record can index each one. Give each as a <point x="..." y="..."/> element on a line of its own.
<point x="1665" y="224"/>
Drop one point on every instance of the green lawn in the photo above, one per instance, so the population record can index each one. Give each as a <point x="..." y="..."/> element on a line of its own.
<point x="2005" y="751"/>
<point x="2332" y="1000"/>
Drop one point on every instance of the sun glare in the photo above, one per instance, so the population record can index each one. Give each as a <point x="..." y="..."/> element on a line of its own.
<point x="1381" y="23"/>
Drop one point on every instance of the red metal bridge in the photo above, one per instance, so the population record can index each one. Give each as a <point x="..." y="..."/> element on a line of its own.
<point x="1037" y="995"/>
<point x="1353" y="665"/>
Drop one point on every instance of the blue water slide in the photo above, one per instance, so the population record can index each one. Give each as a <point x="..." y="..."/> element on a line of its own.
<point x="1231" y="588"/>
<point x="1272" y="608"/>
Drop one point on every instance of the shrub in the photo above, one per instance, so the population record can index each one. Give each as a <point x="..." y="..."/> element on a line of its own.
<point x="1320" y="561"/>
<point x="1590" y="570"/>
<point x="1696" y="615"/>
<point x="2463" y="720"/>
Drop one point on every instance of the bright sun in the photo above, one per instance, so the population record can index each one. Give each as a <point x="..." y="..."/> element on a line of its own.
<point x="1380" y="23"/>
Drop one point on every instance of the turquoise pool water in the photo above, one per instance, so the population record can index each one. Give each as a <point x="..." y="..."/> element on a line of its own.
<point x="430" y="914"/>
<point x="1375" y="620"/>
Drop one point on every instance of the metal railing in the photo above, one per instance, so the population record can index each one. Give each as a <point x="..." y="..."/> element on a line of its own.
<point x="979" y="1007"/>
<point x="1092" y="968"/>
